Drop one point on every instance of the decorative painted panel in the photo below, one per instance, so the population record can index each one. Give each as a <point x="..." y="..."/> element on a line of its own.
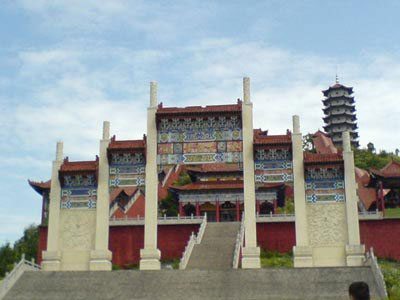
<point x="324" y="185"/>
<point x="199" y="140"/>
<point x="128" y="169"/>
<point x="273" y="165"/>
<point x="208" y="147"/>
<point x="127" y="158"/>
<point x="193" y="158"/>
<point x="78" y="191"/>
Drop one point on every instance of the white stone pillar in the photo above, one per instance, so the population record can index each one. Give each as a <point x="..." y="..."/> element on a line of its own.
<point x="302" y="251"/>
<point x="354" y="249"/>
<point x="150" y="255"/>
<point x="250" y="253"/>
<point x="52" y="255"/>
<point x="100" y="257"/>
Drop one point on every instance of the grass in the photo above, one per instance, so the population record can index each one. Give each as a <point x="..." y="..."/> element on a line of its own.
<point x="276" y="259"/>
<point x="174" y="263"/>
<point x="392" y="212"/>
<point x="391" y="273"/>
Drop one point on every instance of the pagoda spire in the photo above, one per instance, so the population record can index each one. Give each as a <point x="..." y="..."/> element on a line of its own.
<point x="339" y="111"/>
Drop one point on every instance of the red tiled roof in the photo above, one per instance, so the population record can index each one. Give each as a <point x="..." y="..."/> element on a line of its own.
<point x="128" y="191"/>
<point x="42" y="184"/>
<point x="262" y="138"/>
<point x="366" y="195"/>
<point x="392" y="169"/>
<point x="322" y="158"/>
<point x="75" y="166"/>
<point x="220" y="185"/>
<point x="323" y="143"/>
<point x="39" y="187"/>
<point x="215" y="168"/>
<point x="199" y="109"/>
<point x="126" y="144"/>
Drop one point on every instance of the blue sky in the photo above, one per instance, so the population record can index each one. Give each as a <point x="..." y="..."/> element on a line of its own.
<point x="67" y="65"/>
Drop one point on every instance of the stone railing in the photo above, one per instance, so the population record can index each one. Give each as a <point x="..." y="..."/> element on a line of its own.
<point x="370" y="215"/>
<point x="372" y="261"/>
<point x="275" y="218"/>
<point x="192" y="241"/>
<point x="12" y="277"/>
<point x="269" y="218"/>
<point x="188" y="251"/>
<point x="202" y="229"/>
<point x="161" y="220"/>
<point x="238" y="245"/>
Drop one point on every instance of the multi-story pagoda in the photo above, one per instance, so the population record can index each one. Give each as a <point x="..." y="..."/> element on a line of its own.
<point x="339" y="110"/>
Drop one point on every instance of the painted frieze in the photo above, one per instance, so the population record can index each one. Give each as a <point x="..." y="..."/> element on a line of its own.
<point x="273" y="165"/>
<point x="127" y="169"/>
<point x="199" y="140"/>
<point x="324" y="184"/>
<point x="78" y="191"/>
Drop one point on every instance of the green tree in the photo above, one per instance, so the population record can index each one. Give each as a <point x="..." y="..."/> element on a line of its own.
<point x="7" y="259"/>
<point x="28" y="243"/>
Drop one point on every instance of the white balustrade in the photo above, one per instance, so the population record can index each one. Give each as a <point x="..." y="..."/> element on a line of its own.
<point x="238" y="245"/>
<point x="188" y="251"/>
<point x="372" y="261"/>
<point x="192" y="241"/>
<point x="12" y="277"/>
<point x="202" y="229"/>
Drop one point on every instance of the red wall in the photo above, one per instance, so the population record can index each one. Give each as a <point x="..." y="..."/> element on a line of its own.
<point x="277" y="236"/>
<point x="42" y="243"/>
<point x="383" y="236"/>
<point x="126" y="241"/>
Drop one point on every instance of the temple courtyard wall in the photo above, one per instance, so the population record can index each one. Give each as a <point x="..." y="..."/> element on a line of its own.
<point x="126" y="241"/>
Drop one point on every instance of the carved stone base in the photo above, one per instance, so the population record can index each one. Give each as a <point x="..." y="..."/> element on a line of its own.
<point x="100" y="260"/>
<point x="251" y="258"/>
<point x="302" y="257"/>
<point x="150" y="259"/>
<point x="355" y="255"/>
<point x="51" y="261"/>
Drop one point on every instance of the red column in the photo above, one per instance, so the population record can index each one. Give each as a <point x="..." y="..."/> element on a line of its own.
<point x="197" y="209"/>
<point x="275" y="205"/>
<point x="258" y="207"/>
<point x="382" y="197"/>
<point x="217" y="211"/>
<point x="43" y="207"/>
<point x="181" y="211"/>
<point x="237" y="211"/>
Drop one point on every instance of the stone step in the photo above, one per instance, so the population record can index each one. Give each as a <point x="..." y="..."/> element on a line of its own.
<point x="269" y="283"/>
<point x="216" y="249"/>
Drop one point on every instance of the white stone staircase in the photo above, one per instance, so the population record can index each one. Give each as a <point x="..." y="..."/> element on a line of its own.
<point x="11" y="278"/>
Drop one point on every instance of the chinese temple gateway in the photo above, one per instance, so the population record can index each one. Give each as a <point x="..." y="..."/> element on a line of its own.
<point x="139" y="201"/>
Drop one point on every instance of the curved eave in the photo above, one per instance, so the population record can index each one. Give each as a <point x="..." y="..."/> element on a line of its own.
<point x="331" y="98"/>
<point x="327" y="127"/>
<point x="338" y="87"/>
<point x="40" y="187"/>
<point x="352" y="116"/>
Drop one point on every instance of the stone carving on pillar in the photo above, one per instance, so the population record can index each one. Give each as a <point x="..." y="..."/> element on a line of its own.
<point x="150" y="255"/>
<point x="302" y="252"/>
<point x="250" y="253"/>
<point x="100" y="257"/>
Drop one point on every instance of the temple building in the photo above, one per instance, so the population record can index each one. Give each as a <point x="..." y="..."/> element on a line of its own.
<point x="231" y="171"/>
<point x="339" y="110"/>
